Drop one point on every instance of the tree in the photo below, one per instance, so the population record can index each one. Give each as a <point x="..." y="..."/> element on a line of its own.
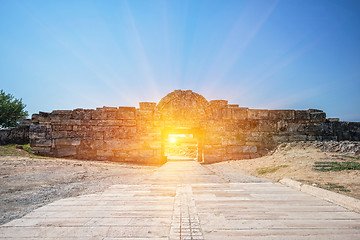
<point x="11" y="110"/>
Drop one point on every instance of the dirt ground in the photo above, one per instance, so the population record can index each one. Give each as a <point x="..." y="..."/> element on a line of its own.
<point x="28" y="182"/>
<point x="297" y="162"/>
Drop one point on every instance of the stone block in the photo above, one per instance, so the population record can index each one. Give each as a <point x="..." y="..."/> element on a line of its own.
<point x="128" y="123"/>
<point x="147" y="105"/>
<point x="56" y="127"/>
<point x="281" y="115"/>
<point x="213" y="139"/>
<point x="216" y="104"/>
<point x="266" y="126"/>
<point x="144" y="114"/>
<point x="250" y="149"/>
<point x="280" y="138"/>
<point x="329" y="138"/>
<point x="302" y="115"/>
<point x="297" y="138"/>
<point x="311" y="138"/>
<point x="120" y="154"/>
<point x="111" y="115"/>
<point x="59" y="134"/>
<point x="35" y="118"/>
<point x="44" y="151"/>
<point x="65" y="151"/>
<point x="89" y="122"/>
<point x="214" y="149"/>
<point x="234" y="149"/>
<point x="313" y="128"/>
<point x="91" y="145"/>
<point x="67" y="142"/>
<point x="85" y="128"/>
<point x="44" y="114"/>
<point x="333" y="119"/>
<point x="295" y="127"/>
<point x="126" y="113"/>
<point x="233" y="140"/>
<point x="318" y="116"/>
<point x="310" y="110"/>
<point x="82" y="114"/>
<point x="212" y="158"/>
<point x="282" y="126"/>
<point x="258" y="114"/>
<point x="227" y="114"/>
<point x="109" y="109"/>
<point x="107" y="122"/>
<point x="43" y="142"/>
<point x="99" y="114"/>
<point x="255" y="155"/>
<point x="58" y="116"/>
<point x="86" y="154"/>
<point x="38" y="131"/>
<point x="233" y="105"/>
<point x="240" y="113"/>
<point x="105" y="153"/>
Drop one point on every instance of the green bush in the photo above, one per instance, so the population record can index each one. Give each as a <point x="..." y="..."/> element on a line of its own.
<point x="11" y="110"/>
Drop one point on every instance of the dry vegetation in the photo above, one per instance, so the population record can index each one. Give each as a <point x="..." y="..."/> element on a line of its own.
<point x="303" y="163"/>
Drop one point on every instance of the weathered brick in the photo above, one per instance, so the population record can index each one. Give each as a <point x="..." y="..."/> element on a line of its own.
<point x="42" y="142"/>
<point x="318" y="116"/>
<point x="59" y="134"/>
<point x="147" y="105"/>
<point x="99" y="114"/>
<point x="240" y="113"/>
<point x="281" y="114"/>
<point x="65" y="151"/>
<point x="67" y="142"/>
<point x="302" y="115"/>
<point x="125" y="114"/>
<point x="62" y="127"/>
<point x="258" y="114"/>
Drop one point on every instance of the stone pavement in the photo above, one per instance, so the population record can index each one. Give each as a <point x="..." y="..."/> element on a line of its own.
<point x="184" y="200"/>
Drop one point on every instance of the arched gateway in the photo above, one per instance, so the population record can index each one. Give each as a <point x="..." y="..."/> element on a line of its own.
<point x="221" y="131"/>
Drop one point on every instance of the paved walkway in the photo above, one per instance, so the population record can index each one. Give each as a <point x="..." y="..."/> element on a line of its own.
<point x="184" y="200"/>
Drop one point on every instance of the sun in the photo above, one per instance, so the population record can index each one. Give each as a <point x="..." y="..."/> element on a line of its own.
<point x="173" y="139"/>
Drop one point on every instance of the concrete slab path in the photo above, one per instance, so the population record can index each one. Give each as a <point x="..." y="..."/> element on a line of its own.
<point x="184" y="200"/>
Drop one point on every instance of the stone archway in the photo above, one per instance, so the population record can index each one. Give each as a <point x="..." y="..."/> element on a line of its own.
<point x="183" y="106"/>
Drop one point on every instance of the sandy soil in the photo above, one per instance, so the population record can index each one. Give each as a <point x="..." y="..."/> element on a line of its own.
<point x="296" y="163"/>
<point x="27" y="183"/>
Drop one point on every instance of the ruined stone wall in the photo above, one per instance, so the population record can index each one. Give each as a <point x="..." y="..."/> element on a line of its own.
<point x="242" y="133"/>
<point x="227" y="130"/>
<point x="101" y="134"/>
<point x="15" y="135"/>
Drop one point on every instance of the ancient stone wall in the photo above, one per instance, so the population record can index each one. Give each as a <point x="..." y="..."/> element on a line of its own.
<point x="101" y="134"/>
<point x="15" y="135"/>
<point x="223" y="131"/>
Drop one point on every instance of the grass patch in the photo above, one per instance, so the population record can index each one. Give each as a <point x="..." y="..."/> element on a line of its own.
<point x="331" y="186"/>
<point x="352" y="157"/>
<point x="27" y="148"/>
<point x="11" y="150"/>
<point x="336" y="166"/>
<point x="270" y="169"/>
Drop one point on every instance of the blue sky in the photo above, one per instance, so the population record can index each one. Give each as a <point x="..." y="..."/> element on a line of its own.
<point x="259" y="54"/>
